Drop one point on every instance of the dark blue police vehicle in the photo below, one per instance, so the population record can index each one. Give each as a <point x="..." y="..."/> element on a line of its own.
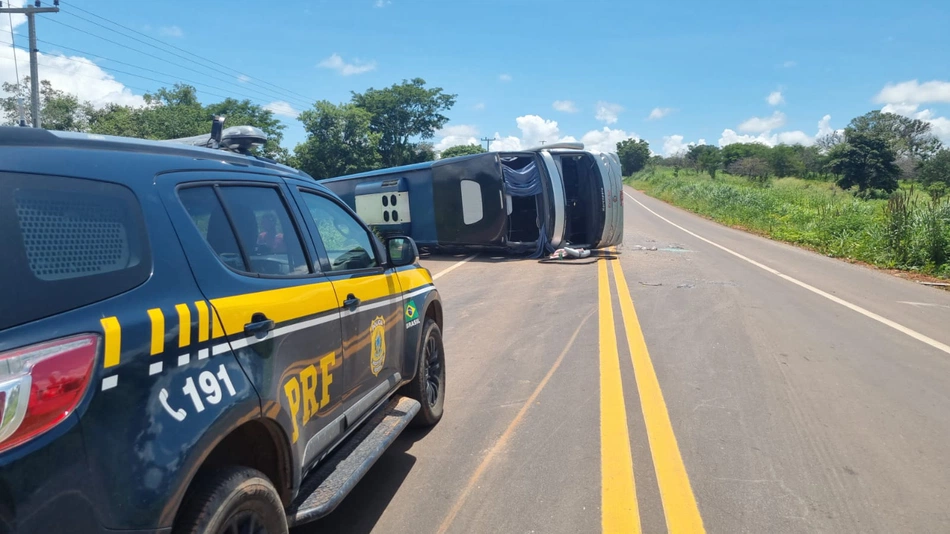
<point x="196" y="339"/>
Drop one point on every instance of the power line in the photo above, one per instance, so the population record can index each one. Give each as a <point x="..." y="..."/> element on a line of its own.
<point x="269" y="95"/>
<point x="76" y="74"/>
<point x="250" y="79"/>
<point x="142" y="68"/>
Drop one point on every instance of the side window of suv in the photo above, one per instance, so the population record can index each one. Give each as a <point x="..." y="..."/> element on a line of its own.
<point x="347" y="243"/>
<point x="248" y="227"/>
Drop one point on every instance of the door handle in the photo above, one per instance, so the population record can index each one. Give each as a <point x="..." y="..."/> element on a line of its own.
<point x="259" y="325"/>
<point x="351" y="301"/>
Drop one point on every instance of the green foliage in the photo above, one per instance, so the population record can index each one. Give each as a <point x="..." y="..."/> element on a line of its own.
<point x="754" y="169"/>
<point x="907" y="231"/>
<point x="633" y="154"/>
<point x="58" y="110"/>
<point x="936" y="169"/>
<point x="401" y="113"/>
<point x="906" y="137"/>
<point x="864" y="160"/>
<point x="461" y="150"/>
<point x="705" y="158"/>
<point x="339" y="141"/>
<point x="786" y="161"/>
<point x="734" y="152"/>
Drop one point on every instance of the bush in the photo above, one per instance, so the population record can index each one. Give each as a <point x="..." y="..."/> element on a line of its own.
<point x="908" y="230"/>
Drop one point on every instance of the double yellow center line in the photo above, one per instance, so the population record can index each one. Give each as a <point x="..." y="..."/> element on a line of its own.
<point x="620" y="512"/>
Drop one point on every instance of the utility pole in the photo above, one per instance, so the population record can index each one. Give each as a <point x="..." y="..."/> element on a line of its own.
<point x="30" y="13"/>
<point x="488" y="143"/>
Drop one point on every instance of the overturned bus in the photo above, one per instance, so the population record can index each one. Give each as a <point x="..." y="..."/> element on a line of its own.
<point x="531" y="201"/>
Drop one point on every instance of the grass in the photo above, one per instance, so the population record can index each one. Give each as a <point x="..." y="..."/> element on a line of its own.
<point x="908" y="231"/>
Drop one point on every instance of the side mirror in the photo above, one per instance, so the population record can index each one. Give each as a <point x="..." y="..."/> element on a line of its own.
<point x="402" y="251"/>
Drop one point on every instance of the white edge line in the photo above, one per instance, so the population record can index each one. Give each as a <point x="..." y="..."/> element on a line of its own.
<point x="453" y="267"/>
<point x="854" y="307"/>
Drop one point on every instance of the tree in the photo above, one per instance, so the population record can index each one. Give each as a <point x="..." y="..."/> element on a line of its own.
<point x="339" y="141"/>
<point x="908" y="138"/>
<point x="461" y="150"/>
<point x="736" y="151"/>
<point x="828" y="141"/>
<point x="936" y="169"/>
<point x="401" y="113"/>
<point x="785" y="161"/>
<point x="705" y="158"/>
<point x="755" y="169"/>
<point x="58" y="110"/>
<point x="633" y="154"/>
<point x="865" y="160"/>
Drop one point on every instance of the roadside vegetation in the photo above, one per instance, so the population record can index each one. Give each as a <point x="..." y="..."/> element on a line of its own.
<point x="875" y="192"/>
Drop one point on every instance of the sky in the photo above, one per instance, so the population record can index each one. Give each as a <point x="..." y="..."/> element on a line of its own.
<point x="525" y="71"/>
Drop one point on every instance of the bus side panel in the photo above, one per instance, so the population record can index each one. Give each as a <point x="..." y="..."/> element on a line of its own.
<point x="469" y="201"/>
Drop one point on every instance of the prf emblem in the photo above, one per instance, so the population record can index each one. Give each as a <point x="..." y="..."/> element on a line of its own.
<point x="378" y="334"/>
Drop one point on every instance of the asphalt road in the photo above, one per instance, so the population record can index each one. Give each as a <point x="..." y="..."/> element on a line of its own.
<point x="721" y="381"/>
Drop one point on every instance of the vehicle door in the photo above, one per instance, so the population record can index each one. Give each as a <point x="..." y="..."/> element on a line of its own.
<point x="278" y="311"/>
<point x="369" y="297"/>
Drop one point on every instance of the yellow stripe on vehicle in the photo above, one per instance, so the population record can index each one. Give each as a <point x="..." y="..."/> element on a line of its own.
<point x="679" y="503"/>
<point x="184" y="325"/>
<point x="279" y="305"/>
<point x="113" y="342"/>
<point x="366" y="288"/>
<point x="619" y="509"/>
<point x="158" y="331"/>
<point x="203" y="321"/>
<point x="412" y="278"/>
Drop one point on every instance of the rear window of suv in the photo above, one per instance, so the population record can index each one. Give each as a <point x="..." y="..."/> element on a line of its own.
<point x="66" y="243"/>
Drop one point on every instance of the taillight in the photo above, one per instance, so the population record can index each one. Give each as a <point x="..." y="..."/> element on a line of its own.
<point x="41" y="385"/>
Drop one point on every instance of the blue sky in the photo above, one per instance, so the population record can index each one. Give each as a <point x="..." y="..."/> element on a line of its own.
<point x="527" y="71"/>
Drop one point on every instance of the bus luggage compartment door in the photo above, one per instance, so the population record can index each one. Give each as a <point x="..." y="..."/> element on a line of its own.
<point x="469" y="201"/>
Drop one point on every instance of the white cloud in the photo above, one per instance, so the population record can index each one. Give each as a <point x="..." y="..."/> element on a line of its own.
<point x="789" y="64"/>
<point x="284" y="109"/>
<point x="912" y="92"/>
<point x="73" y="74"/>
<point x="674" y="144"/>
<point x="243" y="79"/>
<point x="763" y="124"/>
<point x="171" y="31"/>
<point x="382" y="3"/>
<point x="901" y="108"/>
<point x="464" y="130"/>
<point x="905" y="99"/>
<point x="607" y="112"/>
<point x="534" y="129"/>
<point x="824" y="126"/>
<point x="775" y="98"/>
<point x="605" y="140"/>
<point x="504" y="77"/>
<point x="480" y="106"/>
<point x="567" y="106"/>
<point x="456" y="134"/>
<point x="659" y="113"/>
<point x="767" y="138"/>
<point x="335" y="62"/>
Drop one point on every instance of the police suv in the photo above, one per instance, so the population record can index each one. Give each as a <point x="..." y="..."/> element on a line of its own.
<point x="196" y="339"/>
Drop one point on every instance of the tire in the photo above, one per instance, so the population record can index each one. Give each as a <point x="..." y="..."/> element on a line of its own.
<point x="228" y="497"/>
<point x="428" y="386"/>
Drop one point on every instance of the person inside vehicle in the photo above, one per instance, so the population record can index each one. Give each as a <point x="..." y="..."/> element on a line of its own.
<point x="269" y="240"/>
